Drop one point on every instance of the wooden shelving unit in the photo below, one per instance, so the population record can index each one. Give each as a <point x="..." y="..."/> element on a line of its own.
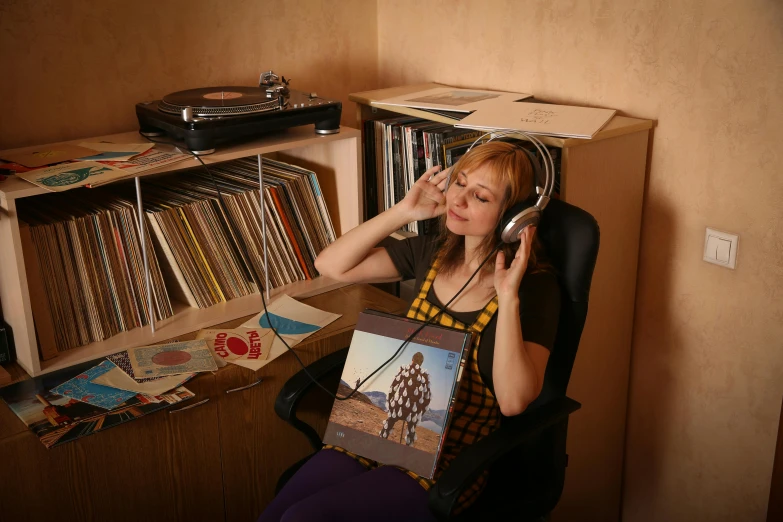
<point x="334" y="158"/>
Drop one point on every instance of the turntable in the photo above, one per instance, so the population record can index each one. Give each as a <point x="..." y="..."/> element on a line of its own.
<point x="205" y="117"/>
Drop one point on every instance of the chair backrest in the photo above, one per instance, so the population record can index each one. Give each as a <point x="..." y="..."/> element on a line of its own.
<point x="570" y="237"/>
<point x="530" y="481"/>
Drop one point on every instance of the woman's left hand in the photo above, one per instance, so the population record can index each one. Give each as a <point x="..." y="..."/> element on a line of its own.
<point x="507" y="280"/>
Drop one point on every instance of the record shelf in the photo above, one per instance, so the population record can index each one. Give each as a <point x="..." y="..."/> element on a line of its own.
<point x="335" y="160"/>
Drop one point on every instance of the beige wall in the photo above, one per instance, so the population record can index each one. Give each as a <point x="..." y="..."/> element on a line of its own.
<point x="708" y="346"/>
<point x="76" y="68"/>
<point x="707" y="362"/>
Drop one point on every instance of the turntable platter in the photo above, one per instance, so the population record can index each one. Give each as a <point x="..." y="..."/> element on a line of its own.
<point x="220" y="101"/>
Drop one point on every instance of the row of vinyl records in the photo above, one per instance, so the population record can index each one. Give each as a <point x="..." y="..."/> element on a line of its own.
<point x="84" y="258"/>
<point x="397" y="151"/>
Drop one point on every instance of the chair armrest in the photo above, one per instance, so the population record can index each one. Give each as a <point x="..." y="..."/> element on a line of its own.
<point x="295" y="388"/>
<point x="474" y="459"/>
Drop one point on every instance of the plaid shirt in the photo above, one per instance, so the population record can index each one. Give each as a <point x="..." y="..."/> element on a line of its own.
<point x="476" y="412"/>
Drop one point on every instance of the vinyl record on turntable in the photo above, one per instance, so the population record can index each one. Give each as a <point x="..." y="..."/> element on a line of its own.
<point x="220" y="101"/>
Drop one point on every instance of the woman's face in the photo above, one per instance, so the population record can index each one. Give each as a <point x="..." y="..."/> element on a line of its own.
<point x="474" y="201"/>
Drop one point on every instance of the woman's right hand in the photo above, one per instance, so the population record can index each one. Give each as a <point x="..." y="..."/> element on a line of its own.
<point x="426" y="199"/>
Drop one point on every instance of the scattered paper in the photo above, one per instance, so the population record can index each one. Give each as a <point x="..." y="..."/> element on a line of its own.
<point x="122" y="361"/>
<point x="116" y="378"/>
<point x="278" y="348"/>
<point x="66" y="176"/>
<point x="251" y="345"/>
<point x="453" y="99"/>
<point x="83" y="389"/>
<point x="172" y="359"/>
<point x="151" y="159"/>
<point x="56" y="420"/>
<point x="218" y="359"/>
<point x="114" y="151"/>
<point x="47" y="155"/>
<point x="294" y="321"/>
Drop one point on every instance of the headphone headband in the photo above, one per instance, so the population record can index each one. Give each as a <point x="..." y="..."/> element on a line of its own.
<point x="546" y="159"/>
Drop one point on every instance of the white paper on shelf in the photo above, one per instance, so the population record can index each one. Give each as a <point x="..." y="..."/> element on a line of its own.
<point x="540" y="118"/>
<point x="453" y="99"/>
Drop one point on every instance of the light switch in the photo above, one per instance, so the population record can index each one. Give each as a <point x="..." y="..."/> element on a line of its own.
<point x="720" y="248"/>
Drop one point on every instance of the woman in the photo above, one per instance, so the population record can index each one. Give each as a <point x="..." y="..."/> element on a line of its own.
<point x="512" y="304"/>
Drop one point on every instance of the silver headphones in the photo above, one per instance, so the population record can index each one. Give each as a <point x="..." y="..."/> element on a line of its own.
<point x="528" y="211"/>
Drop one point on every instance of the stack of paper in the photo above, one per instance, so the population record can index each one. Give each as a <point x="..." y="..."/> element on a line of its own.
<point x="160" y="156"/>
<point x="36" y="157"/>
<point x="538" y="118"/>
<point x="65" y="167"/>
<point x="493" y="110"/>
<point x="452" y="99"/>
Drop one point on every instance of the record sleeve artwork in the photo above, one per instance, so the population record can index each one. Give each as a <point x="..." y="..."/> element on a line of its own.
<point x="398" y="413"/>
<point x="122" y="360"/>
<point x="245" y="344"/>
<point x="408" y="399"/>
<point x="172" y="359"/>
<point x="456" y="97"/>
<point x="82" y="389"/>
<point x="69" y="175"/>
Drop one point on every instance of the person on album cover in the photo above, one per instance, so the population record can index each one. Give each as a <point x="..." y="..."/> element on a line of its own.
<point x="408" y="399"/>
<point x="511" y="306"/>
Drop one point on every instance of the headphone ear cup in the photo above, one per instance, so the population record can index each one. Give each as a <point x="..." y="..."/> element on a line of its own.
<point x="516" y="219"/>
<point x="525" y="212"/>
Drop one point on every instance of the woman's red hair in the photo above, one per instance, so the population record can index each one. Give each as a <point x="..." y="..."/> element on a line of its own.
<point x="512" y="169"/>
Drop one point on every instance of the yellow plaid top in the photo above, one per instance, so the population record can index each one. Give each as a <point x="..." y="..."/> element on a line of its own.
<point x="476" y="412"/>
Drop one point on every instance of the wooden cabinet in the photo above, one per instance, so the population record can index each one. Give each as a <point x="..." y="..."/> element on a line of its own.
<point x="218" y="460"/>
<point x="164" y="466"/>
<point x="604" y="176"/>
<point x="178" y="450"/>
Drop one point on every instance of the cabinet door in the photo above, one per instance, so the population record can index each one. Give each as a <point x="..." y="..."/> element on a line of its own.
<point x="40" y="484"/>
<point x="164" y="467"/>
<point x="257" y="445"/>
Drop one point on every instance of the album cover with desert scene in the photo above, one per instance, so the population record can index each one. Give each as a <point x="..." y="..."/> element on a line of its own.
<point x="400" y="415"/>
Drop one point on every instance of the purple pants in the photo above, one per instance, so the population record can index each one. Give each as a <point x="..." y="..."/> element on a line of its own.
<point x="333" y="487"/>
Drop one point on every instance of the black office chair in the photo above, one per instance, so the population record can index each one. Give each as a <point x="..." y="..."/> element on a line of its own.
<point x="527" y="454"/>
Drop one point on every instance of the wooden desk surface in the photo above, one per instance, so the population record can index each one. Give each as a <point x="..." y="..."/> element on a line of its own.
<point x="348" y="301"/>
